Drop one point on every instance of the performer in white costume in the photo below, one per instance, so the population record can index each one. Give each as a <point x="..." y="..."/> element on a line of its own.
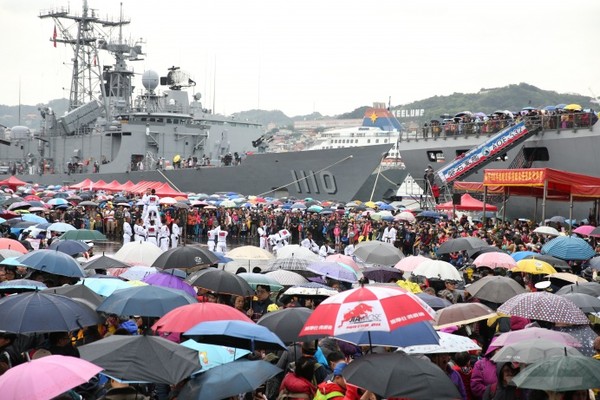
<point x="175" y="232"/>
<point x="212" y="234"/>
<point x="222" y="240"/>
<point x="163" y="236"/>
<point x="139" y="231"/>
<point x="127" y="230"/>
<point x="262" y="235"/>
<point x="152" y="233"/>
<point x="310" y="244"/>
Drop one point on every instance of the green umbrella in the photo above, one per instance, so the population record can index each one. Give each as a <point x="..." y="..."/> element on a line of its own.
<point x="82" y="234"/>
<point x="260" y="279"/>
<point x="560" y="374"/>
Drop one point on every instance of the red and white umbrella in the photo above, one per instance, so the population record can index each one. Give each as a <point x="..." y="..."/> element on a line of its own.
<point x="367" y="308"/>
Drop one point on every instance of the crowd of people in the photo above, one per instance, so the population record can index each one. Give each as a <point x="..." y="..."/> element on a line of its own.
<point x="311" y="370"/>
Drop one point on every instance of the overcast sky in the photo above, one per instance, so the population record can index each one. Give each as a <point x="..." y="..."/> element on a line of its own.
<point x="328" y="56"/>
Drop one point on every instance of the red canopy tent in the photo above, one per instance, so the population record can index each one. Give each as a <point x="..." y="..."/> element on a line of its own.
<point x="125" y="187"/>
<point x="112" y="186"/>
<point x="165" y="190"/>
<point x="100" y="185"/>
<point x="84" y="184"/>
<point x="467" y="203"/>
<point x="12" y="182"/>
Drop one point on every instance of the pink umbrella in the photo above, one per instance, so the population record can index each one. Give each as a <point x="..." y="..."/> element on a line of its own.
<point x="584" y="230"/>
<point x="344" y="260"/>
<point x="495" y="259"/>
<point x="408" y="264"/>
<point x="46" y="377"/>
<point x="513" y="337"/>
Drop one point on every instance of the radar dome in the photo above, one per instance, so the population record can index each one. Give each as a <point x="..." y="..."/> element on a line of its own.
<point x="150" y="80"/>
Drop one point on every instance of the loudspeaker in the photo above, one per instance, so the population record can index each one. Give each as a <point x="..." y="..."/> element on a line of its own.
<point x="456" y="199"/>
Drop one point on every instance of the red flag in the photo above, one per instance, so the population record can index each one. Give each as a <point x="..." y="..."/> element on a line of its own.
<point x="54" y="36"/>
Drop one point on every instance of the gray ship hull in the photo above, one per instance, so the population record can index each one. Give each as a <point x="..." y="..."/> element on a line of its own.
<point x="336" y="174"/>
<point x="574" y="150"/>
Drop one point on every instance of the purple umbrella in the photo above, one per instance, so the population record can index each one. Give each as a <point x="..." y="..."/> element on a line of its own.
<point x="334" y="270"/>
<point x="169" y="281"/>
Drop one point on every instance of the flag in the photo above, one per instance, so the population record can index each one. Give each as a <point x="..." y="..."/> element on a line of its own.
<point x="54" y="36"/>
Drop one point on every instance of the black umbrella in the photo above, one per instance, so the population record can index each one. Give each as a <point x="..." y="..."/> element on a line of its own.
<point x="557" y="263"/>
<point x="382" y="273"/>
<point x="44" y="312"/>
<point x="147" y="301"/>
<point x="185" y="257"/>
<point x="434" y="302"/>
<point x="79" y="293"/>
<point x="228" y="380"/>
<point x="286" y="323"/>
<point x="400" y="375"/>
<point x="585" y="302"/>
<point x="474" y="253"/>
<point x="220" y="281"/>
<point x="105" y="262"/>
<point x="591" y="288"/>
<point x="460" y="244"/>
<point x="142" y="358"/>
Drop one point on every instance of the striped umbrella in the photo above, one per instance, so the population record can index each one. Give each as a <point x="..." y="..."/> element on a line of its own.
<point x="569" y="248"/>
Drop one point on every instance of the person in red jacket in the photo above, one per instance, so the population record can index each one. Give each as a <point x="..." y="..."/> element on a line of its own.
<point x="339" y="389"/>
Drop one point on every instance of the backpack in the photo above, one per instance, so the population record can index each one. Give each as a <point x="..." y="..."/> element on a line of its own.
<point x="321" y="396"/>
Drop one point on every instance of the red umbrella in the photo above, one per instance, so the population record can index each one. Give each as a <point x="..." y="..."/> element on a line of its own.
<point x="12" y="244"/>
<point x="368" y="308"/>
<point x="185" y="317"/>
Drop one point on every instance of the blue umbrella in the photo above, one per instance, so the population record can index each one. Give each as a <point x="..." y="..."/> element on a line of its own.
<point x="430" y="214"/>
<point x="569" y="248"/>
<point x="147" y="301"/>
<point x="222" y="258"/>
<point x="433" y="301"/>
<point x="519" y="255"/>
<point x="69" y="247"/>
<point x="408" y="335"/>
<point x="52" y="262"/>
<point x="104" y="287"/>
<point x="19" y="285"/>
<point x="299" y="206"/>
<point x="228" y="380"/>
<point x="61" y="227"/>
<point x="44" y="312"/>
<point x="34" y="218"/>
<point x="386" y="207"/>
<point x="240" y="334"/>
<point x="212" y="355"/>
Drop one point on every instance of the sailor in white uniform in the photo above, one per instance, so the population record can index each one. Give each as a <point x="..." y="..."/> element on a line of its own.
<point x="152" y="233"/>
<point x="212" y="235"/>
<point x="262" y="234"/>
<point x="144" y="201"/>
<point x="325" y="250"/>
<point x="163" y="236"/>
<point x="153" y="203"/>
<point x="139" y="231"/>
<point x="175" y="232"/>
<point x="222" y="240"/>
<point x="127" y="230"/>
<point x="310" y="244"/>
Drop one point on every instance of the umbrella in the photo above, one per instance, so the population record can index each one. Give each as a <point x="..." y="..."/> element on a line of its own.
<point x="566" y="277"/>
<point x="462" y="314"/>
<point x="544" y="306"/>
<point x="437" y="269"/>
<point x="147" y="301"/>
<point x="569" y="248"/>
<point x="495" y="260"/>
<point x="585" y="302"/>
<point x="449" y="343"/>
<point x="7" y="253"/>
<point x="533" y="266"/>
<point x="46" y="377"/>
<point x="546" y="230"/>
<point x="212" y="355"/>
<point x="221" y="259"/>
<point x="433" y="301"/>
<point x="405" y="216"/>
<point x="556" y="263"/>
<point x="514" y="337"/>
<point x="288" y="264"/>
<point x="220" y="281"/>
<point x="382" y="273"/>
<point x="560" y="374"/>
<point x="334" y="270"/>
<point x="474" y="253"/>
<point x="533" y="350"/>
<point x="582" y="333"/>
<point x="591" y="288"/>
<point x="254" y="280"/>
<point x="12" y="244"/>
<point x="169" y="281"/>
<point x="43" y="312"/>
<point x="19" y="205"/>
<point x="135" y="273"/>
<point x="88" y="203"/>
<point x="142" y="358"/>
<point x="80" y="293"/>
<point x="83" y="234"/>
<point x="139" y="253"/>
<point x="249" y="253"/>
<point x="311" y="289"/>
<point x="344" y="260"/>
<point x="419" y="333"/>
<point x="20" y="285"/>
<point x="104" y="286"/>
<point x="185" y="257"/>
<point x="183" y="318"/>
<point x="573" y="107"/>
<point x="519" y="255"/>
<point x="69" y="247"/>
<point x="496" y="289"/>
<point x="409" y="263"/>
<point x="594" y="263"/>
<point x="104" y="262"/>
<point x="296" y="251"/>
<point x="34" y="218"/>
<point x="400" y="375"/>
<point x="286" y="323"/>
<point x="584" y="230"/>
<point x="58" y="201"/>
<point x="460" y="244"/>
<point x="225" y="381"/>
<point x="60" y="227"/>
<point x="52" y="262"/>
<point x="287" y="278"/>
<point x="375" y="252"/>
<point x="242" y="334"/>
<point x="369" y="308"/>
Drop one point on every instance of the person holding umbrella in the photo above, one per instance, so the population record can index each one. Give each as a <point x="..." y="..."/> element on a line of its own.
<point x="122" y="391"/>
<point x="260" y="306"/>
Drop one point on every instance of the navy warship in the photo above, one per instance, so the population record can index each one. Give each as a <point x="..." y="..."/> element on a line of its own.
<point x="160" y="135"/>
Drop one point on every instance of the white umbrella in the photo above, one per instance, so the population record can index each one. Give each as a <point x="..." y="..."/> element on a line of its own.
<point x="137" y="273"/>
<point x="436" y="269"/>
<point x="533" y="350"/>
<point x="287" y="278"/>
<point x="167" y="200"/>
<point x="249" y="253"/>
<point x="405" y="216"/>
<point x="449" y="343"/>
<point x="60" y="227"/>
<point x="139" y="253"/>
<point x="294" y="250"/>
<point x="546" y="230"/>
